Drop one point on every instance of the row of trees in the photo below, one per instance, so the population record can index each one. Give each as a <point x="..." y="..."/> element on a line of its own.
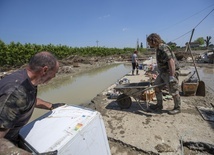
<point x="17" y="54"/>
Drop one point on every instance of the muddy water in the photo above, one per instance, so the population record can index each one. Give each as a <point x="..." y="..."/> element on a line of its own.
<point x="82" y="88"/>
<point x="206" y="74"/>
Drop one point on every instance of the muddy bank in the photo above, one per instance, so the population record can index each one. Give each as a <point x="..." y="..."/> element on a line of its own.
<point x="76" y="64"/>
<point x="134" y="131"/>
<point x="143" y="134"/>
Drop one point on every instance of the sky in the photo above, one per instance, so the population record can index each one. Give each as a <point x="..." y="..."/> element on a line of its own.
<point x="104" y="23"/>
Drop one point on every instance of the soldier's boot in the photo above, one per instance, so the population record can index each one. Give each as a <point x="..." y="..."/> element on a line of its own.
<point x="132" y="72"/>
<point x="177" y="106"/>
<point x="137" y="72"/>
<point x="159" y="105"/>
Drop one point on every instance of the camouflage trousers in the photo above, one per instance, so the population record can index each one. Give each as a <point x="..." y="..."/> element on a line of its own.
<point x="173" y="88"/>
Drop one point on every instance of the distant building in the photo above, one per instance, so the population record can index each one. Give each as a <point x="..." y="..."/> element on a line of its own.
<point x="193" y="44"/>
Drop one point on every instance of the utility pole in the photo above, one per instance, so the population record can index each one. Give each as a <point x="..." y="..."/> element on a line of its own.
<point x="137" y="43"/>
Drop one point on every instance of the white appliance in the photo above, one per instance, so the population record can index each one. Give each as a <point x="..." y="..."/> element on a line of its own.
<point x="71" y="130"/>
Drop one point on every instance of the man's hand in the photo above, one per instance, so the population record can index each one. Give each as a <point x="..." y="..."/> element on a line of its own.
<point x="56" y="105"/>
<point x="172" y="79"/>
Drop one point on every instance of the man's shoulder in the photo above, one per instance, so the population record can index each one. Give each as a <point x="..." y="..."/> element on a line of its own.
<point x="13" y="77"/>
<point x="164" y="47"/>
<point x="134" y="55"/>
<point x="13" y="82"/>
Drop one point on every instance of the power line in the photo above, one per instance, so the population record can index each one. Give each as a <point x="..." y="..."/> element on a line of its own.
<point x="196" y="25"/>
<point x="204" y="18"/>
<point x="182" y="35"/>
<point x="187" y="18"/>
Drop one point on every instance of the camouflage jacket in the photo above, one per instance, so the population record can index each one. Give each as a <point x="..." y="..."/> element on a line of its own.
<point x="163" y="55"/>
<point x="17" y="100"/>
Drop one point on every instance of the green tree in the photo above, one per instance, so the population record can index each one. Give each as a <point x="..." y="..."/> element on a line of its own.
<point x="172" y="45"/>
<point x="200" y="41"/>
<point x="207" y="41"/>
<point x="141" y="45"/>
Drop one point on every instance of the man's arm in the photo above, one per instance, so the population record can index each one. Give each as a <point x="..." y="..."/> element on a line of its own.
<point x="171" y="64"/>
<point x="43" y="104"/>
<point x="135" y="58"/>
<point x="47" y="105"/>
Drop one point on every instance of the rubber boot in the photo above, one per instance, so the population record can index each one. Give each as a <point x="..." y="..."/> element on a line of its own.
<point x="177" y="102"/>
<point x="159" y="105"/>
<point x="137" y="72"/>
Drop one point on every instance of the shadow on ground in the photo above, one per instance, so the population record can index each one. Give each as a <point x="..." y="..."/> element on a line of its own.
<point x="136" y="109"/>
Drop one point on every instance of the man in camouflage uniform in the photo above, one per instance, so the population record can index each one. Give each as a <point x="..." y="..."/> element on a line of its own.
<point x="168" y="73"/>
<point x="18" y="97"/>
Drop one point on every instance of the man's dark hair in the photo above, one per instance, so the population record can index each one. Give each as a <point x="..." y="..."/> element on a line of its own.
<point x="42" y="59"/>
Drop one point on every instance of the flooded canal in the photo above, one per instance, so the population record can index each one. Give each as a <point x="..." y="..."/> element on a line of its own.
<point x="81" y="88"/>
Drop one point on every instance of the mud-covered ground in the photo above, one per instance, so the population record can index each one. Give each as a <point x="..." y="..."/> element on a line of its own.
<point x="127" y="137"/>
<point x="134" y="132"/>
